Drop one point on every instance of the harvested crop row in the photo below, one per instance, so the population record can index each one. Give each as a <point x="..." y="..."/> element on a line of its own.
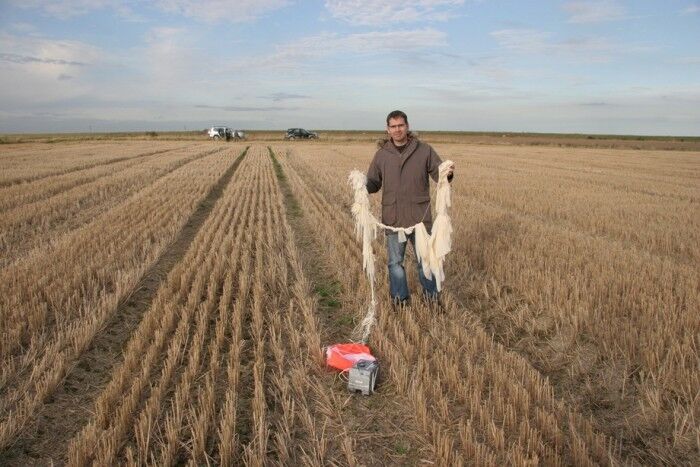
<point x="52" y="306"/>
<point x="310" y="427"/>
<point x="670" y="170"/>
<point x="174" y="327"/>
<point x="33" y="226"/>
<point x="616" y="316"/>
<point x="430" y="361"/>
<point x="617" y="180"/>
<point x="46" y="160"/>
<point x="24" y="193"/>
<point x="640" y="220"/>
<point x="291" y="417"/>
<point x="233" y="386"/>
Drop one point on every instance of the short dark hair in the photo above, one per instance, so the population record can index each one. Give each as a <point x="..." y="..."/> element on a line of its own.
<point x="396" y="114"/>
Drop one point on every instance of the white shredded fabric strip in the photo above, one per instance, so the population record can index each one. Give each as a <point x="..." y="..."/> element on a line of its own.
<point x="430" y="249"/>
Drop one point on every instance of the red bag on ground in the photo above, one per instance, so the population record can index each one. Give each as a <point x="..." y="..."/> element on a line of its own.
<point x="343" y="356"/>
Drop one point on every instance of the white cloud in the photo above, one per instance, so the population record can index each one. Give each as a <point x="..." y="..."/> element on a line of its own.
<point x="45" y="56"/>
<point x="222" y="10"/>
<point x="36" y="70"/>
<point x="204" y="10"/>
<point x="587" y="49"/>
<point x="293" y="54"/>
<point x="65" y="9"/>
<point x="692" y="9"/>
<point x="594" y="12"/>
<point x="369" y="12"/>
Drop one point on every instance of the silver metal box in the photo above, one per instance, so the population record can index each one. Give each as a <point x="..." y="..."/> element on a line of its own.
<point x="363" y="376"/>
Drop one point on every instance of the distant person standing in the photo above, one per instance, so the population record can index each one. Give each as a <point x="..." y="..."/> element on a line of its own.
<point x="400" y="168"/>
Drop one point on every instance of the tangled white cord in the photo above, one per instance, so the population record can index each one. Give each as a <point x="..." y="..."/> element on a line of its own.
<point x="430" y="249"/>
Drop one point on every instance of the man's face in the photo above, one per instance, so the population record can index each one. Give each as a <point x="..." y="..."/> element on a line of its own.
<point x="398" y="130"/>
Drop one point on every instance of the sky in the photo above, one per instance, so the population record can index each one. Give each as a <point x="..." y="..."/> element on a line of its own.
<point x="604" y="66"/>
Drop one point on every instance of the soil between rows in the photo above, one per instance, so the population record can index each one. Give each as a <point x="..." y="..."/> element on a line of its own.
<point x="45" y="440"/>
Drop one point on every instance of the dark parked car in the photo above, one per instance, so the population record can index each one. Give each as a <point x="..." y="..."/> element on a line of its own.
<point x="300" y="133"/>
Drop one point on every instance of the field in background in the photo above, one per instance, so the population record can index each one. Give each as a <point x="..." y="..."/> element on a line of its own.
<point x="165" y="301"/>
<point x="678" y="143"/>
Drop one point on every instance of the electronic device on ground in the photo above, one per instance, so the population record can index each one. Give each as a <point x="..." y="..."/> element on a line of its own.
<point x="362" y="376"/>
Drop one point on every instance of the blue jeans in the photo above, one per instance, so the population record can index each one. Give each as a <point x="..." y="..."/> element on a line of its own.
<point x="398" y="287"/>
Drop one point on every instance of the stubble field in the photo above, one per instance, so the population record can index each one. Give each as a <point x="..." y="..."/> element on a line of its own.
<point x="166" y="302"/>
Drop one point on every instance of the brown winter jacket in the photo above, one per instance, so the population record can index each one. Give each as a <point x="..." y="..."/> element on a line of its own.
<point x="403" y="178"/>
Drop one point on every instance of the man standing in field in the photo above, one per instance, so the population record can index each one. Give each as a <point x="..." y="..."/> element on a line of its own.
<point x="401" y="167"/>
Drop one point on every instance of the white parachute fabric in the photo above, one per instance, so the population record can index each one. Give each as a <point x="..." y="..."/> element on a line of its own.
<point x="365" y="229"/>
<point x="423" y="249"/>
<point x="365" y="222"/>
<point x="430" y="249"/>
